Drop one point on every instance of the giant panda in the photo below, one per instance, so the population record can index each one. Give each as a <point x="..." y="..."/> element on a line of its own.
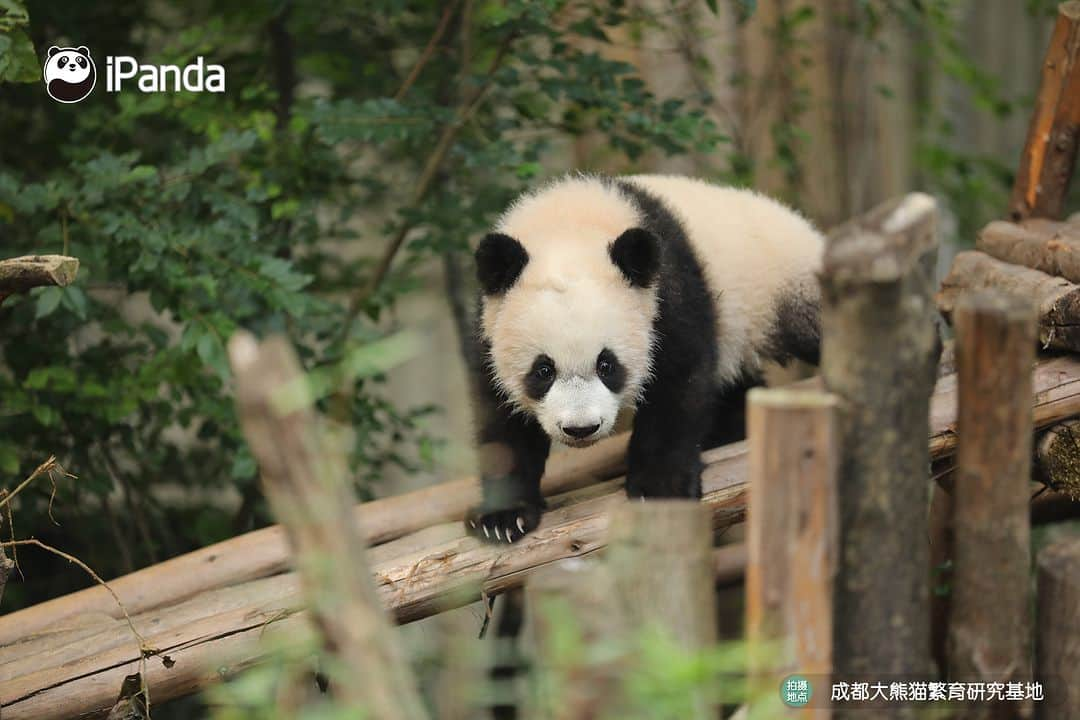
<point x="661" y="294"/>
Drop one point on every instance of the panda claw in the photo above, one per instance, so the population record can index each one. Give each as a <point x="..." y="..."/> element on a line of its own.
<point x="505" y="526"/>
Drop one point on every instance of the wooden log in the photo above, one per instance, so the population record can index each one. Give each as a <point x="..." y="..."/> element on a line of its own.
<point x="729" y="564"/>
<point x="1057" y="299"/>
<point x="264" y="552"/>
<point x="1057" y="656"/>
<point x="412" y="582"/>
<point x="573" y="606"/>
<point x="305" y="479"/>
<point x="23" y="273"/>
<point x="1049" y="156"/>
<point x="661" y="556"/>
<point x="792" y="542"/>
<point x="1043" y="245"/>
<point x="1057" y="458"/>
<point x="988" y="621"/>
<point x="879" y="356"/>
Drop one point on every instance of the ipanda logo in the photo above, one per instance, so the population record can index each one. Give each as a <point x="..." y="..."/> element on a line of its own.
<point x="70" y="75"/>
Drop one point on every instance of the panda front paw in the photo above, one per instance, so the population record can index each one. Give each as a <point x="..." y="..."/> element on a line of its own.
<point x="503" y="526"/>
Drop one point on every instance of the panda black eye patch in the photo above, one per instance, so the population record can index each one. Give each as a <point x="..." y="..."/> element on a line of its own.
<point x="610" y="371"/>
<point x="540" y="377"/>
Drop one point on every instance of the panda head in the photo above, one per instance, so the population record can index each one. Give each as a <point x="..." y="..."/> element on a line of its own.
<point x="69" y="73"/>
<point x="571" y="330"/>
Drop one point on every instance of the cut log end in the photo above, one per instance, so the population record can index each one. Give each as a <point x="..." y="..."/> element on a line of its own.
<point x="1057" y="457"/>
<point x="23" y="273"/>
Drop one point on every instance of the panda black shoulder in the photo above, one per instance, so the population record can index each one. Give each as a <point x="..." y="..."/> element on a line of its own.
<point x="685" y="326"/>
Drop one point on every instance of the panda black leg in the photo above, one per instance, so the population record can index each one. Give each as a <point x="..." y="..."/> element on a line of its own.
<point x="664" y="458"/>
<point x="513" y="452"/>
<point x="728" y="414"/>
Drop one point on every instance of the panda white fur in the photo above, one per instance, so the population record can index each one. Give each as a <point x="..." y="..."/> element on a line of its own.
<point x="661" y="293"/>
<point x="69" y="73"/>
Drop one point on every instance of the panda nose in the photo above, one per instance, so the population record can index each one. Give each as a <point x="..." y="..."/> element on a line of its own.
<point x="581" y="432"/>
<point x="71" y="66"/>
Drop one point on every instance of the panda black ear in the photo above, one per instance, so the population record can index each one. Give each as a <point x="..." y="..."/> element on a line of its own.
<point x="637" y="254"/>
<point x="82" y="49"/>
<point x="53" y="50"/>
<point x="499" y="261"/>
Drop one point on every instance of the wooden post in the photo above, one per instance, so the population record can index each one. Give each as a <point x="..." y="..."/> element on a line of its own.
<point x="988" y="621"/>
<point x="1057" y="656"/>
<point x="792" y="544"/>
<point x="304" y="478"/>
<point x="1049" y="156"/>
<point x="661" y="556"/>
<point x="573" y="609"/>
<point x="879" y="356"/>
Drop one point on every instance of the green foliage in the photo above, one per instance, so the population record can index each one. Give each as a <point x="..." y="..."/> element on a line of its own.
<point x="268" y="208"/>
<point x="18" y="63"/>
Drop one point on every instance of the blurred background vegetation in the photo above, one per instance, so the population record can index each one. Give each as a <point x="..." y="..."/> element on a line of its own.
<point x="332" y="192"/>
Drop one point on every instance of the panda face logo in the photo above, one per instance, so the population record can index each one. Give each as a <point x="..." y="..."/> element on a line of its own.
<point x="70" y="73"/>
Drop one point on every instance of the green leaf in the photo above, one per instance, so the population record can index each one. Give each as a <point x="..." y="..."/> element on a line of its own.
<point x="13" y="15"/>
<point x="48" y="300"/>
<point x="9" y="459"/>
<point x="45" y="415"/>
<point x="75" y="299"/>
<point x="18" y="61"/>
